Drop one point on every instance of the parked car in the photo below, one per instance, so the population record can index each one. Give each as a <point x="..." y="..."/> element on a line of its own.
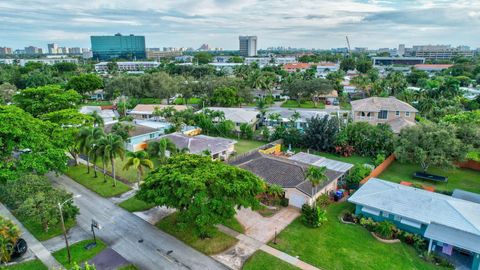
<point x="328" y="102"/>
<point x="336" y="103"/>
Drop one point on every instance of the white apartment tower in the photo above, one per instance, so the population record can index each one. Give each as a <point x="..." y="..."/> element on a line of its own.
<point x="248" y="46"/>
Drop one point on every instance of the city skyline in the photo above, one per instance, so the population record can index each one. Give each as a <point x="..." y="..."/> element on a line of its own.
<point x="307" y="24"/>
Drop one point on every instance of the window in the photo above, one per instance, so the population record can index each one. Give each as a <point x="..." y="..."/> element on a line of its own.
<point x="370" y="211"/>
<point x="385" y="214"/>
<point x="369" y="115"/>
<point x="407" y="114"/>
<point x="383" y="114"/>
<point x="397" y="218"/>
<point x="152" y="136"/>
<point x="397" y="113"/>
<point x="362" y="115"/>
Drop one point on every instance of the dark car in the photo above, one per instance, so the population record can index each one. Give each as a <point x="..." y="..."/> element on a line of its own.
<point x="20" y="248"/>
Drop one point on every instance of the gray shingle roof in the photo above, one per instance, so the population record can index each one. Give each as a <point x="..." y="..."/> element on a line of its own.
<point x="237" y="115"/>
<point x="319" y="161"/>
<point x="419" y="205"/>
<point x="283" y="172"/>
<point x="453" y="237"/>
<point x="376" y="104"/>
<point x="465" y="195"/>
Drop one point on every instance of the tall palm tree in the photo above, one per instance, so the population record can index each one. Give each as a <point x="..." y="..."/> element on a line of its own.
<point x="97" y="119"/>
<point x="113" y="147"/>
<point x="87" y="136"/>
<point x="139" y="161"/>
<point x="315" y="176"/>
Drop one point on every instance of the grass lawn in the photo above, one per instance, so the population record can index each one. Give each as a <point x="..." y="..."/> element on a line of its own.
<point x="148" y="100"/>
<point x="216" y="244"/>
<point x="304" y="105"/>
<point x="29" y="265"/>
<point x="128" y="267"/>
<point x="37" y="230"/>
<point x="336" y="245"/>
<point x="465" y="179"/>
<point x="261" y="260"/>
<point x="79" y="253"/>
<point x="345" y="106"/>
<point x="234" y="225"/>
<point x="130" y="175"/>
<point x="102" y="188"/>
<point x="181" y="101"/>
<point x="353" y="159"/>
<point x="98" y="103"/>
<point x="244" y="146"/>
<point x="134" y="205"/>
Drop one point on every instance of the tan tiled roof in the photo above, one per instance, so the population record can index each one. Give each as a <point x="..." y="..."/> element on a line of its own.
<point x="400" y="123"/>
<point x="149" y="108"/>
<point x="376" y="104"/>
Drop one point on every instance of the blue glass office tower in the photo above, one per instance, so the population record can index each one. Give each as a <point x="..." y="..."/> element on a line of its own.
<point x="118" y="47"/>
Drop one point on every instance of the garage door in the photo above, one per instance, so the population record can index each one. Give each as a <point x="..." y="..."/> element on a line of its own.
<point x="296" y="200"/>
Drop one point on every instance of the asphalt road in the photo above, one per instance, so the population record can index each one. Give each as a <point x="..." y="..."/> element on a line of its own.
<point x="133" y="238"/>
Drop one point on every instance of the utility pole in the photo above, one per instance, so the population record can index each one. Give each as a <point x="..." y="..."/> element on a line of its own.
<point x="60" y="205"/>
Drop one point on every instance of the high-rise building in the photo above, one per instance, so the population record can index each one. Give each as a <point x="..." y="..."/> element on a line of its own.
<point x="74" y="50"/>
<point x="401" y="50"/>
<point x="5" y="50"/>
<point x="33" y="50"/>
<point x="118" y="46"/>
<point x="52" y="48"/>
<point x="441" y="52"/>
<point x="248" y="45"/>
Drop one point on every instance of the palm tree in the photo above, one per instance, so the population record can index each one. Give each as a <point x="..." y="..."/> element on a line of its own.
<point x="87" y="136"/>
<point x="113" y="147"/>
<point x="97" y="119"/>
<point x="94" y="155"/>
<point x="139" y="161"/>
<point x="315" y="176"/>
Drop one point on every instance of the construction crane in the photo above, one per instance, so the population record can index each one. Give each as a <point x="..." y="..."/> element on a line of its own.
<point x="348" y="44"/>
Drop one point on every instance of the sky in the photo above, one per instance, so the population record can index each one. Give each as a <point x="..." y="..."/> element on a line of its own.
<point x="190" y="23"/>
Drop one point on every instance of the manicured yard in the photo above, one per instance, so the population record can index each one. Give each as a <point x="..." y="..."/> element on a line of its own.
<point x="336" y="245"/>
<point x="79" y="253"/>
<point x="130" y="175"/>
<point x="98" y="185"/>
<point x="304" y="105"/>
<point x="244" y="146"/>
<point x="261" y="260"/>
<point x="29" y="265"/>
<point x="148" y="100"/>
<point x="465" y="179"/>
<point x="134" y="205"/>
<point x="234" y="225"/>
<point x="181" y="101"/>
<point x="37" y="230"/>
<point x="353" y="159"/>
<point x="216" y="244"/>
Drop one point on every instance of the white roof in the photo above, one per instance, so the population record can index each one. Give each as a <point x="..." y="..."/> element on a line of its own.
<point x="319" y="161"/>
<point x="237" y="115"/>
<point x="419" y="205"/>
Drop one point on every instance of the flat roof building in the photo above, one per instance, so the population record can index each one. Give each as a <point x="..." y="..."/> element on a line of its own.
<point x="248" y="45"/>
<point x="118" y="47"/>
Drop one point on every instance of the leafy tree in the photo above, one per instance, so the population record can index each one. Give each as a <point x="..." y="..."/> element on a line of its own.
<point x="356" y="175"/>
<point x="336" y="79"/>
<point x="204" y="192"/>
<point x="122" y="130"/>
<point x="65" y="67"/>
<point x="415" y="76"/>
<point x="30" y="141"/>
<point x="87" y="138"/>
<point x="139" y="161"/>
<point x="347" y="64"/>
<point x="363" y="83"/>
<point x="113" y="147"/>
<point x="363" y="66"/>
<point x="9" y="234"/>
<point x="314" y="216"/>
<point x="7" y="91"/>
<point x="161" y="149"/>
<point x="97" y="119"/>
<point x="321" y="132"/>
<point x="395" y="83"/>
<point x="246" y="131"/>
<point x="430" y="145"/>
<point x="45" y="99"/>
<point x="367" y="139"/>
<point x="316" y="176"/>
<point x="203" y="58"/>
<point x="226" y="97"/>
<point x="236" y="59"/>
<point x="85" y="83"/>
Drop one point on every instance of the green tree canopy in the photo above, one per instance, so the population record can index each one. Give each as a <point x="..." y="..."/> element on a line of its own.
<point x="205" y="192"/>
<point x="203" y="58"/>
<point x="9" y="234"/>
<point x="430" y="145"/>
<point x="45" y="99"/>
<point x="85" y="83"/>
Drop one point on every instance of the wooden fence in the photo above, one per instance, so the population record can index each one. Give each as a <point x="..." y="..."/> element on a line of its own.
<point x="379" y="169"/>
<point x="469" y="164"/>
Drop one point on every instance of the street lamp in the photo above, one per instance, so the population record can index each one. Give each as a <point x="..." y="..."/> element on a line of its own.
<point x="60" y="205"/>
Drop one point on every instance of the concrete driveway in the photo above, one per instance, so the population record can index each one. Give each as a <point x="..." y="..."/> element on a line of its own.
<point x="263" y="228"/>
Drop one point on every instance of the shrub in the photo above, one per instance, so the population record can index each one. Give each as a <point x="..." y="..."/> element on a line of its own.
<point x="323" y="201"/>
<point x="356" y="174"/>
<point x="284" y="202"/>
<point x="419" y="242"/>
<point x="313" y="216"/>
<point x="9" y="234"/>
<point x="368" y="223"/>
<point x="379" y="159"/>
<point x="385" y="229"/>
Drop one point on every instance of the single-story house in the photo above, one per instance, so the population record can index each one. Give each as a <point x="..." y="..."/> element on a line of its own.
<point x="451" y="225"/>
<point x="290" y="175"/>
<point x="239" y="116"/>
<point x="145" y="111"/>
<point x="139" y="135"/>
<point x="319" y="161"/>
<point x="108" y="114"/>
<point x="286" y="117"/>
<point x="219" y="148"/>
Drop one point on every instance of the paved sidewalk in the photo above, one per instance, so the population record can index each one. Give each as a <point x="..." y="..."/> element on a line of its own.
<point x="33" y="244"/>
<point x="74" y="235"/>
<point x="255" y="245"/>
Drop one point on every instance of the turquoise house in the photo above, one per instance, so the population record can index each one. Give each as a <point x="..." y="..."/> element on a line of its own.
<point x="450" y="224"/>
